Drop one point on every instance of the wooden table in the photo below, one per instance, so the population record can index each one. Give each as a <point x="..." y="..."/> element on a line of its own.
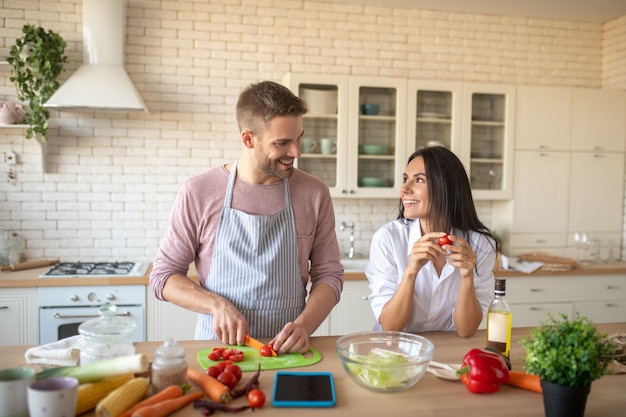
<point x="429" y="397"/>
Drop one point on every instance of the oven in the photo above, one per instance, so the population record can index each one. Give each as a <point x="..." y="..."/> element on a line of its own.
<point x="63" y="308"/>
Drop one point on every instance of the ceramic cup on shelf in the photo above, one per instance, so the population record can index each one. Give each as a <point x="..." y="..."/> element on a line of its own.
<point x="328" y="146"/>
<point x="308" y="145"/>
<point x="53" y="397"/>
<point x="14" y="383"/>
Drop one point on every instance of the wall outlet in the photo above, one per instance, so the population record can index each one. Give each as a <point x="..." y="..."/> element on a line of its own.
<point x="10" y="158"/>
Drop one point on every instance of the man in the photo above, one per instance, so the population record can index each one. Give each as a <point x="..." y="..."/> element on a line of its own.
<point x="252" y="228"/>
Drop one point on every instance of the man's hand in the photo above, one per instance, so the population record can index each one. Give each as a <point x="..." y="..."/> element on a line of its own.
<point x="229" y="325"/>
<point x="292" y="338"/>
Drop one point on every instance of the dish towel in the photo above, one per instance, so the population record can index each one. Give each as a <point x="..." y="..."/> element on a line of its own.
<point x="64" y="352"/>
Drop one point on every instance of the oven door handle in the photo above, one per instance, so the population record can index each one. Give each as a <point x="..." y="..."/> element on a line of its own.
<point x="87" y="316"/>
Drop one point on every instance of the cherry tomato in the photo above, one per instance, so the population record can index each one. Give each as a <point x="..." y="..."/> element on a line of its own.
<point x="235" y="370"/>
<point x="256" y="398"/>
<point x="226" y="354"/>
<point x="223" y="364"/>
<point x="237" y="357"/>
<point x="227" y="379"/>
<point x="266" y="350"/>
<point x="214" y="371"/>
<point x="215" y="356"/>
<point x="444" y="240"/>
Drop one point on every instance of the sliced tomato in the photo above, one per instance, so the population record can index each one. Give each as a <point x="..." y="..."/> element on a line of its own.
<point x="238" y="357"/>
<point x="215" y="356"/>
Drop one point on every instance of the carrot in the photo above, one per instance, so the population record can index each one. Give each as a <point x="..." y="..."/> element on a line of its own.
<point x="167" y="407"/>
<point x="173" y="391"/>
<point x="217" y="391"/>
<point x="523" y="380"/>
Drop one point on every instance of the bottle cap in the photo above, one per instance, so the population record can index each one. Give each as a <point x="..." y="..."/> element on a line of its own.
<point x="500" y="285"/>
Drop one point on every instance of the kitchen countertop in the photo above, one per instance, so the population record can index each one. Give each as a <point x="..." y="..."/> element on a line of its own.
<point x="429" y="397"/>
<point x="30" y="278"/>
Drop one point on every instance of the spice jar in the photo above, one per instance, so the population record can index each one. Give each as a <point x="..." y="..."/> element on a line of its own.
<point x="106" y="337"/>
<point x="169" y="366"/>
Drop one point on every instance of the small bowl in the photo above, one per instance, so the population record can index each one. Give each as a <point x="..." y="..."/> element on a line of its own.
<point x="385" y="361"/>
<point x="373" y="149"/>
<point x="372" y="182"/>
<point x="370" y="109"/>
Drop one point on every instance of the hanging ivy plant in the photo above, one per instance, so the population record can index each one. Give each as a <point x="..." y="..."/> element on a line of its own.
<point x="37" y="60"/>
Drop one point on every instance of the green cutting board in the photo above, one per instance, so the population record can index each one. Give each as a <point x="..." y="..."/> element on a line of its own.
<point x="252" y="358"/>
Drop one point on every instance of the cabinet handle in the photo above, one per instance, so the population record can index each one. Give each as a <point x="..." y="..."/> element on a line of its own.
<point x="597" y="155"/>
<point x="540" y="241"/>
<point x="611" y="305"/>
<point x="612" y="287"/>
<point x="536" y="290"/>
<point x="365" y="297"/>
<point x="535" y="309"/>
<point x="4" y="307"/>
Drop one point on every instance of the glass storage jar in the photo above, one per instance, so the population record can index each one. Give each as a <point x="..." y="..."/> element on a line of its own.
<point x="169" y="366"/>
<point x="106" y="337"/>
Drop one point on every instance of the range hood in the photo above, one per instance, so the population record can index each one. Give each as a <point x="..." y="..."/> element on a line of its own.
<point x="101" y="82"/>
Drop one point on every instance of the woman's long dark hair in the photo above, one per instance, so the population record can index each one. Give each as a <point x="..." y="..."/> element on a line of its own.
<point x="451" y="205"/>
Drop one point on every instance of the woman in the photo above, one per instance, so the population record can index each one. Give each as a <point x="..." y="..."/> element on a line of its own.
<point x="416" y="284"/>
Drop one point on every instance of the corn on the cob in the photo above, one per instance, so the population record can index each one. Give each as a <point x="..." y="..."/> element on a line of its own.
<point x="122" y="398"/>
<point x="90" y="394"/>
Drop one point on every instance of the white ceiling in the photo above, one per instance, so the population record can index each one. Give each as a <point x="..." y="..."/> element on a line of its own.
<point x="596" y="11"/>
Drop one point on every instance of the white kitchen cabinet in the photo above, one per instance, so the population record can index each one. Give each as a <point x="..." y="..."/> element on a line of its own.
<point x="165" y="319"/>
<point x="353" y="312"/>
<point x="597" y="192"/>
<point x="599" y="120"/>
<point x="602" y="298"/>
<point x="435" y="112"/>
<point x="536" y="217"/>
<point x="475" y="121"/>
<point x="487" y="132"/>
<point x="366" y="161"/>
<point x="584" y="190"/>
<point x="19" y="319"/>
<point x="544" y="118"/>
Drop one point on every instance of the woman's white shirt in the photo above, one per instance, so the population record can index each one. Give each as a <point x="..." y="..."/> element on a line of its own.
<point x="434" y="297"/>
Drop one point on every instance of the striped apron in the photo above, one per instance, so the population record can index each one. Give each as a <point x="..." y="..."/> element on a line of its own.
<point x="255" y="267"/>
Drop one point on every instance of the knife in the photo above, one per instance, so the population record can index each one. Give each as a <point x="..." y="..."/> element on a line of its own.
<point x="255" y="344"/>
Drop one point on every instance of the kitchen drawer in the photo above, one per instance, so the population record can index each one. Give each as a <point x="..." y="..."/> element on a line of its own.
<point x="612" y="311"/>
<point x="609" y="287"/>
<point x="538" y="241"/>
<point x="531" y="315"/>
<point x="542" y="289"/>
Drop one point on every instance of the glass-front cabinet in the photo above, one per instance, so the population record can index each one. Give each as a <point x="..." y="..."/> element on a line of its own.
<point x="376" y="130"/>
<point x="351" y="132"/>
<point x="360" y="131"/>
<point x="434" y="110"/>
<point x="325" y="140"/>
<point x="487" y="139"/>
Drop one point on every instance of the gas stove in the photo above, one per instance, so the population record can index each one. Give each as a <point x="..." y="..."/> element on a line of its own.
<point x="97" y="269"/>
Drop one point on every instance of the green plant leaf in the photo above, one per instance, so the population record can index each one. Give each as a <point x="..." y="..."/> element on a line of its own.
<point x="37" y="60"/>
<point x="567" y="352"/>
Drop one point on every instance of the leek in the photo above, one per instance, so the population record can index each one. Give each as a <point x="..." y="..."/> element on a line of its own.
<point x="95" y="371"/>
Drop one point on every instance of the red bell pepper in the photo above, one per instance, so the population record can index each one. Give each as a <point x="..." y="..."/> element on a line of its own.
<point x="483" y="371"/>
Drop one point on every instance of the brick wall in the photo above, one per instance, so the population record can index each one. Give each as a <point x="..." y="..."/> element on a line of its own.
<point x="112" y="177"/>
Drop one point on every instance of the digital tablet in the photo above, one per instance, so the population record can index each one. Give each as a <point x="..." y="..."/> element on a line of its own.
<point x="303" y="389"/>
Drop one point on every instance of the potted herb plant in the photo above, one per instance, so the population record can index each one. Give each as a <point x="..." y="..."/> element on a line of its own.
<point x="568" y="355"/>
<point x="37" y="60"/>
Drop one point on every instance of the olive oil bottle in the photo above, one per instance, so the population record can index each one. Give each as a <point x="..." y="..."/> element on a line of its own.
<point x="499" y="320"/>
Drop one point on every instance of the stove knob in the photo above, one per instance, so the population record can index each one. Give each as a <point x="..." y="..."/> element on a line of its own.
<point x="74" y="298"/>
<point x="111" y="297"/>
<point x="92" y="296"/>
